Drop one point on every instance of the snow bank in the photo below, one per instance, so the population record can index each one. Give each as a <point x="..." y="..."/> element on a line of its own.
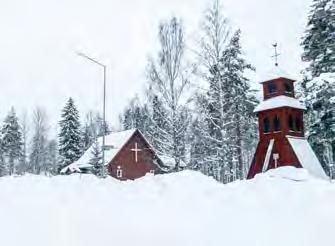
<point x="289" y="172"/>
<point x="185" y="208"/>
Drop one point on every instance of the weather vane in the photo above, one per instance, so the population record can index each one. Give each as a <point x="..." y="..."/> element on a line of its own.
<point x="276" y="54"/>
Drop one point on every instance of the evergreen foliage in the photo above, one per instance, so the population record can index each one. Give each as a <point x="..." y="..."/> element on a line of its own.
<point x="319" y="97"/>
<point x="136" y="116"/>
<point x="225" y="125"/>
<point x="11" y="143"/>
<point x="318" y="42"/>
<point x="317" y="88"/>
<point x="70" y="135"/>
<point x="96" y="160"/>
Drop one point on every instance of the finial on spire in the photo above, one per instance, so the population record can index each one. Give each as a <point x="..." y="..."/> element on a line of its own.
<point x="276" y="54"/>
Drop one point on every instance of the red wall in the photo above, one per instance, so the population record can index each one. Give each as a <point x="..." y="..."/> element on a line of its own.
<point x="281" y="145"/>
<point x="280" y="83"/>
<point x="126" y="159"/>
<point x="283" y="114"/>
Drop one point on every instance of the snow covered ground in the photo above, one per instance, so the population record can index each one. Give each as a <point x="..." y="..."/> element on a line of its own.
<point x="185" y="208"/>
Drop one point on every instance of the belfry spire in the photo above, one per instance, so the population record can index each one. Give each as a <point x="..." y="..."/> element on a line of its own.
<point x="276" y="55"/>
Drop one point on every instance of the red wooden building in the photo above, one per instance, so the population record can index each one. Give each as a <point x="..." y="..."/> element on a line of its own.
<point x="128" y="155"/>
<point x="281" y="131"/>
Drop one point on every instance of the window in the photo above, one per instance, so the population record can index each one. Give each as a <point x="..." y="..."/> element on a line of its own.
<point x="272" y="88"/>
<point x="288" y="88"/>
<point x="298" y="124"/>
<point x="290" y="123"/>
<point x="119" y="172"/>
<point x="266" y="126"/>
<point x="152" y="171"/>
<point x="276" y="123"/>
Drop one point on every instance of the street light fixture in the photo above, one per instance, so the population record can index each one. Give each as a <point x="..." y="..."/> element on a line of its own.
<point x="103" y="108"/>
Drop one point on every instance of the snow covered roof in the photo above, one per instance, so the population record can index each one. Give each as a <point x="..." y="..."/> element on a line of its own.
<point x="113" y="141"/>
<point x="306" y="156"/>
<point x="277" y="102"/>
<point x="275" y="73"/>
<point x="170" y="162"/>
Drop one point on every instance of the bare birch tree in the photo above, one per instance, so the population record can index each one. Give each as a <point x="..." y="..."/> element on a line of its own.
<point x="169" y="83"/>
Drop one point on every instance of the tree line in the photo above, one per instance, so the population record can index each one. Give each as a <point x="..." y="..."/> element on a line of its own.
<point x="197" y="110"/>
<point x="201" y="112"/>
<point x="41" y="154"/>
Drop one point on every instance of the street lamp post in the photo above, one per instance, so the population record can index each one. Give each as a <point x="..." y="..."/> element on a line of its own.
<point x="103" y="108"/>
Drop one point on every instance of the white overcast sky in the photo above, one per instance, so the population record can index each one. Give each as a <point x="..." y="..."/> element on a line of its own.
<point x="39" y="38"/>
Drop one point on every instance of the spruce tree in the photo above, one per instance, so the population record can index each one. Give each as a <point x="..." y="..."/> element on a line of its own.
<point x="242" y="101"/>
<point x="225" y="121"/>
<point x="211" y="103"/>
<point x="159" y="126"/>
<point x="317" y="89"/>
<point x="96" y="159"/>
<point x="136" y="115"/>
<point x="3" y="166"/>
<point x="318" y="42"/>
<point x="11" y="142"/>
<point x="69" y="136"/>
<point x="321" y="105"/>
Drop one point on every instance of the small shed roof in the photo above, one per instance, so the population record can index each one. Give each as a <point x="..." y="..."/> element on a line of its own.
<point x="278" y="102"/>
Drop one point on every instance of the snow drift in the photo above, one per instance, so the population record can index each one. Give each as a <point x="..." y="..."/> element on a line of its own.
<point x="282" y="207"/>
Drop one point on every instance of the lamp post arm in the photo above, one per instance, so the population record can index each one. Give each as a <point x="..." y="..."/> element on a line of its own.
<point x="91" y="59"/>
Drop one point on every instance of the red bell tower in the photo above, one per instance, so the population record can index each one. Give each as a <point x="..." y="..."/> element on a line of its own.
<point x="282" y="140"/>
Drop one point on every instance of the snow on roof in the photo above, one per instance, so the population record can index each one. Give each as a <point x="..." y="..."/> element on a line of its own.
<point x="277" y="102"/>
<point x="275" y="73"/>
<point x="113" y="141"/>
<point x="306" y="156"/>
<point x="74" y="168"/>
<point x="170" y="161"/>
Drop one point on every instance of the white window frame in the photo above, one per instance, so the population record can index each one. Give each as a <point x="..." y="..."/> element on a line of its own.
<point x="119" y="172"/>
<point x="152" y="171"/>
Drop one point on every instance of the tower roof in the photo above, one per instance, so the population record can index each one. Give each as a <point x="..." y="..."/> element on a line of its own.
<point x="278" y="102"/>
<point x="275" y="73"/>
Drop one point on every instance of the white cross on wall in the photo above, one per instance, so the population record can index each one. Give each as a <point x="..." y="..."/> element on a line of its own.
<point x="136" y="150"/>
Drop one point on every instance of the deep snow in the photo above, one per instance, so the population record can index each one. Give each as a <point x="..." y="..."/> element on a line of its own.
<point x="185" y="208"/>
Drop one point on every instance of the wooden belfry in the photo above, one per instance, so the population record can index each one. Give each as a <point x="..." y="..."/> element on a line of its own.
<point x="282" y="140"/>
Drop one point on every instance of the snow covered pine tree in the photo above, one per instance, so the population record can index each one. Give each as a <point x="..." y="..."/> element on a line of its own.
<point x="69" y="136"/>
<point x="318" y="42"/>
<point x="96" y="159"/>
<point x="225" y="123"/>
<point x="11" y="143"/>
<point x="136" y="116"/>
<point x="318" y="87"/>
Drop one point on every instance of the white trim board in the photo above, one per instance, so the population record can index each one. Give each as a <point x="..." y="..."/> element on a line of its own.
<point x="268" y="155"/>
